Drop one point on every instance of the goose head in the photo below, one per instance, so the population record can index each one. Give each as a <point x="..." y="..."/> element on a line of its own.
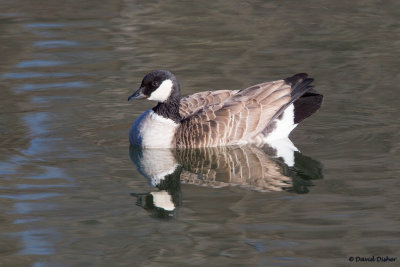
<point x="160" y="86"/>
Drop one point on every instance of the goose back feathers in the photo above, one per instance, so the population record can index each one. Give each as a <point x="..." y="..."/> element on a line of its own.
<point x="224" y="117"/>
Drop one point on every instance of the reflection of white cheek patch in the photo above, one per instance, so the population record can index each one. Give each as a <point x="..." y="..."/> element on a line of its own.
<point x="162" y="92"/>
<point x="163" y="200"/>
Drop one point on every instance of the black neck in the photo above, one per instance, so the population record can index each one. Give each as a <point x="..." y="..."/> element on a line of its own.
<point x="169" y="110"/>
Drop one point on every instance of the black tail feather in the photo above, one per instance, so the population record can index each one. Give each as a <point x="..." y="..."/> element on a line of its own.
<point x="306" y="105"/>
<point x="305" y="99"/>
<point x="300" y="84"/>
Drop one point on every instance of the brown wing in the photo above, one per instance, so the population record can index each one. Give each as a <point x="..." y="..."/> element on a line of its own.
<point x="191" y="104"/>
<point x="240" y="118"/>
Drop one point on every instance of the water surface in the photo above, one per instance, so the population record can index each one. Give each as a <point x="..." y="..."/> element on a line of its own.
<point x="69" y="192"/>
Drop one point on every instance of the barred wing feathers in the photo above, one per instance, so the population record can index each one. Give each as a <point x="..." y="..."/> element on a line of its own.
<point x="230" y="117"/>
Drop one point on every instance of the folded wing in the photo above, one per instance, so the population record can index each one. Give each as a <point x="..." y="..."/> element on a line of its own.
<point x="231" y="117"/>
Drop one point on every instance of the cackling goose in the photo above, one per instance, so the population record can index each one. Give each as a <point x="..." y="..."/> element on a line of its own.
<point x="259" y="114"/>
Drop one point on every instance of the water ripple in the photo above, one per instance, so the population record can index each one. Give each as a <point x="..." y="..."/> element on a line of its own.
<point x="34" y="186"/>
<point x="28" y="220"/>
<point x="31" y="207"/>
<point x="36" y="196"/>
<point x="44" y="25"/>
<point x="39" y="63"/>
<point x="38" y="241"/>
<point x="26" y="75"/>
<point x="33" y="87"/>
<point x="55" y="44"/>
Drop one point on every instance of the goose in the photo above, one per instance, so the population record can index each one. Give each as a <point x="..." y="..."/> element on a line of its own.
<point x="256" y="115"/>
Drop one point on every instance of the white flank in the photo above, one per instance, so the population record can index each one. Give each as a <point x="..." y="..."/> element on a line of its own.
<point x="163" y="200"/>
<point x="162" y="92"/>
<point x="151" y="130"/>
<point x="283" y="126"/>
<point x="284" y="149"/>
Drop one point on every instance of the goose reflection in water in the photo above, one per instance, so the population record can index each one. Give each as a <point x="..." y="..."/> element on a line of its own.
<point x="262" y="169"/>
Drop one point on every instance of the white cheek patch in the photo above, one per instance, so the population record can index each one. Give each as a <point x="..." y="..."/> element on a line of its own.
<point x="162" y="92"/>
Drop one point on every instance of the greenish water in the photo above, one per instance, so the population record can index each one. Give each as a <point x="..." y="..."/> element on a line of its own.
<point x="71" y="196"/>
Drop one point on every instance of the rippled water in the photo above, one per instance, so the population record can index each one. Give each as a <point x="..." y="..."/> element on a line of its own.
<point x="71" y="196"/>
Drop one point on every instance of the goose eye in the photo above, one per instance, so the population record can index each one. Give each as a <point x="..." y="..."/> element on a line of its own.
<point x="154" y="84"/>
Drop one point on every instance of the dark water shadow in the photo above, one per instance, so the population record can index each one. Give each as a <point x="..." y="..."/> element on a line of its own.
<point x="247" y="167"/>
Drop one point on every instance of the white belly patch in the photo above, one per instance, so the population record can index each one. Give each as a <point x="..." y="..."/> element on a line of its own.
<point x="151" y="130"/>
